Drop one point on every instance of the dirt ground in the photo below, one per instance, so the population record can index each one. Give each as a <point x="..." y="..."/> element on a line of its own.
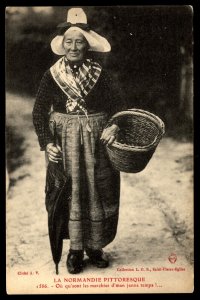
<point x="156" y="212"/>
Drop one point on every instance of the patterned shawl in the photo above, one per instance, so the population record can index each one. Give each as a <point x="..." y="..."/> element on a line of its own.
<point x="76" y="88"/>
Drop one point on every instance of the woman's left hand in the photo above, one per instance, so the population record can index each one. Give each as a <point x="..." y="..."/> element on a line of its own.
<point x="109" y="134"/>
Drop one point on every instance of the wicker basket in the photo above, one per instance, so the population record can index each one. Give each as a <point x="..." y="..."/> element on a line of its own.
<point x="140" y="132"/>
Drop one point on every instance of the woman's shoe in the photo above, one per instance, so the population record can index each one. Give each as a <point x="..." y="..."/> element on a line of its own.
<point x="98" y="258"/>
<point x="75" y="261"/>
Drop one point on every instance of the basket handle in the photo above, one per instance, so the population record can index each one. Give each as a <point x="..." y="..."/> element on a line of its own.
<point x="134" y="111"/>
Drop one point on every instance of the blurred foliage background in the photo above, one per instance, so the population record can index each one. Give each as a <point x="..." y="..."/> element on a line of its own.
<point x="151" y="58"/>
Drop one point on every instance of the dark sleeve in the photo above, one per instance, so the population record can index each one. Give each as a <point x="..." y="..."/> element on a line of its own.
<point x="41" y="111"/>
<point x="116" y="99"/>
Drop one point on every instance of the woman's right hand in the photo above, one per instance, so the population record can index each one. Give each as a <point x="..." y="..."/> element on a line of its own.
<point x="54" y="152"/>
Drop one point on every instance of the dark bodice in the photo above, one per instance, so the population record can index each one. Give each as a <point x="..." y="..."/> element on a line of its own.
<point x="104" y="97"/>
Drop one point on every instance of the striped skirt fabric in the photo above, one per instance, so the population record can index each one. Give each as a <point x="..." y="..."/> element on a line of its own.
<point x="95" y="186"/>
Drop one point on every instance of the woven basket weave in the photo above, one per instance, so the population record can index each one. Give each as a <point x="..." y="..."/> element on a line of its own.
<point x="140" y="132"/>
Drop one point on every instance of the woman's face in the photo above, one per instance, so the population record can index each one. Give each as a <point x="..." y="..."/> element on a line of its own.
<point x="75" y="46"/>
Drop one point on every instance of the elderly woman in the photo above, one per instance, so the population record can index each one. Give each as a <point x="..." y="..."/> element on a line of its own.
<point x="76" y="99"/>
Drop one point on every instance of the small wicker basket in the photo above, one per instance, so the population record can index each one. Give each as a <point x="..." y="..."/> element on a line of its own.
<point x="140" y="132"/>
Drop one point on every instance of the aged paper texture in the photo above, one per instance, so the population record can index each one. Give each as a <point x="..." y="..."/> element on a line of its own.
<point x="152" y="63"/>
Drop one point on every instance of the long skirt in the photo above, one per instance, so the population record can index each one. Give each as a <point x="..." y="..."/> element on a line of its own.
<point x="93" y="208"/>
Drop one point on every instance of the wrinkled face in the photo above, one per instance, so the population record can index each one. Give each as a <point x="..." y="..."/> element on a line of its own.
<point x="75" y="46"/>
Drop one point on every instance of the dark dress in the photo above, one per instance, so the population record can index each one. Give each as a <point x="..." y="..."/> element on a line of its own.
<point x="104" y="97"/>
<point x="94" y="186"/>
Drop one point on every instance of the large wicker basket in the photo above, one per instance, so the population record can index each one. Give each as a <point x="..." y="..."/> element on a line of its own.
<point x="140" y="132"/>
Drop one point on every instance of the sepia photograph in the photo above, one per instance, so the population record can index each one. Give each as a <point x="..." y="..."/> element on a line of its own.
<point x="99" y="149"/>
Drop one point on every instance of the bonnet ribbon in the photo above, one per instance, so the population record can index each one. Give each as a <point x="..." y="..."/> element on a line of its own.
<point x="66" y="25"/>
